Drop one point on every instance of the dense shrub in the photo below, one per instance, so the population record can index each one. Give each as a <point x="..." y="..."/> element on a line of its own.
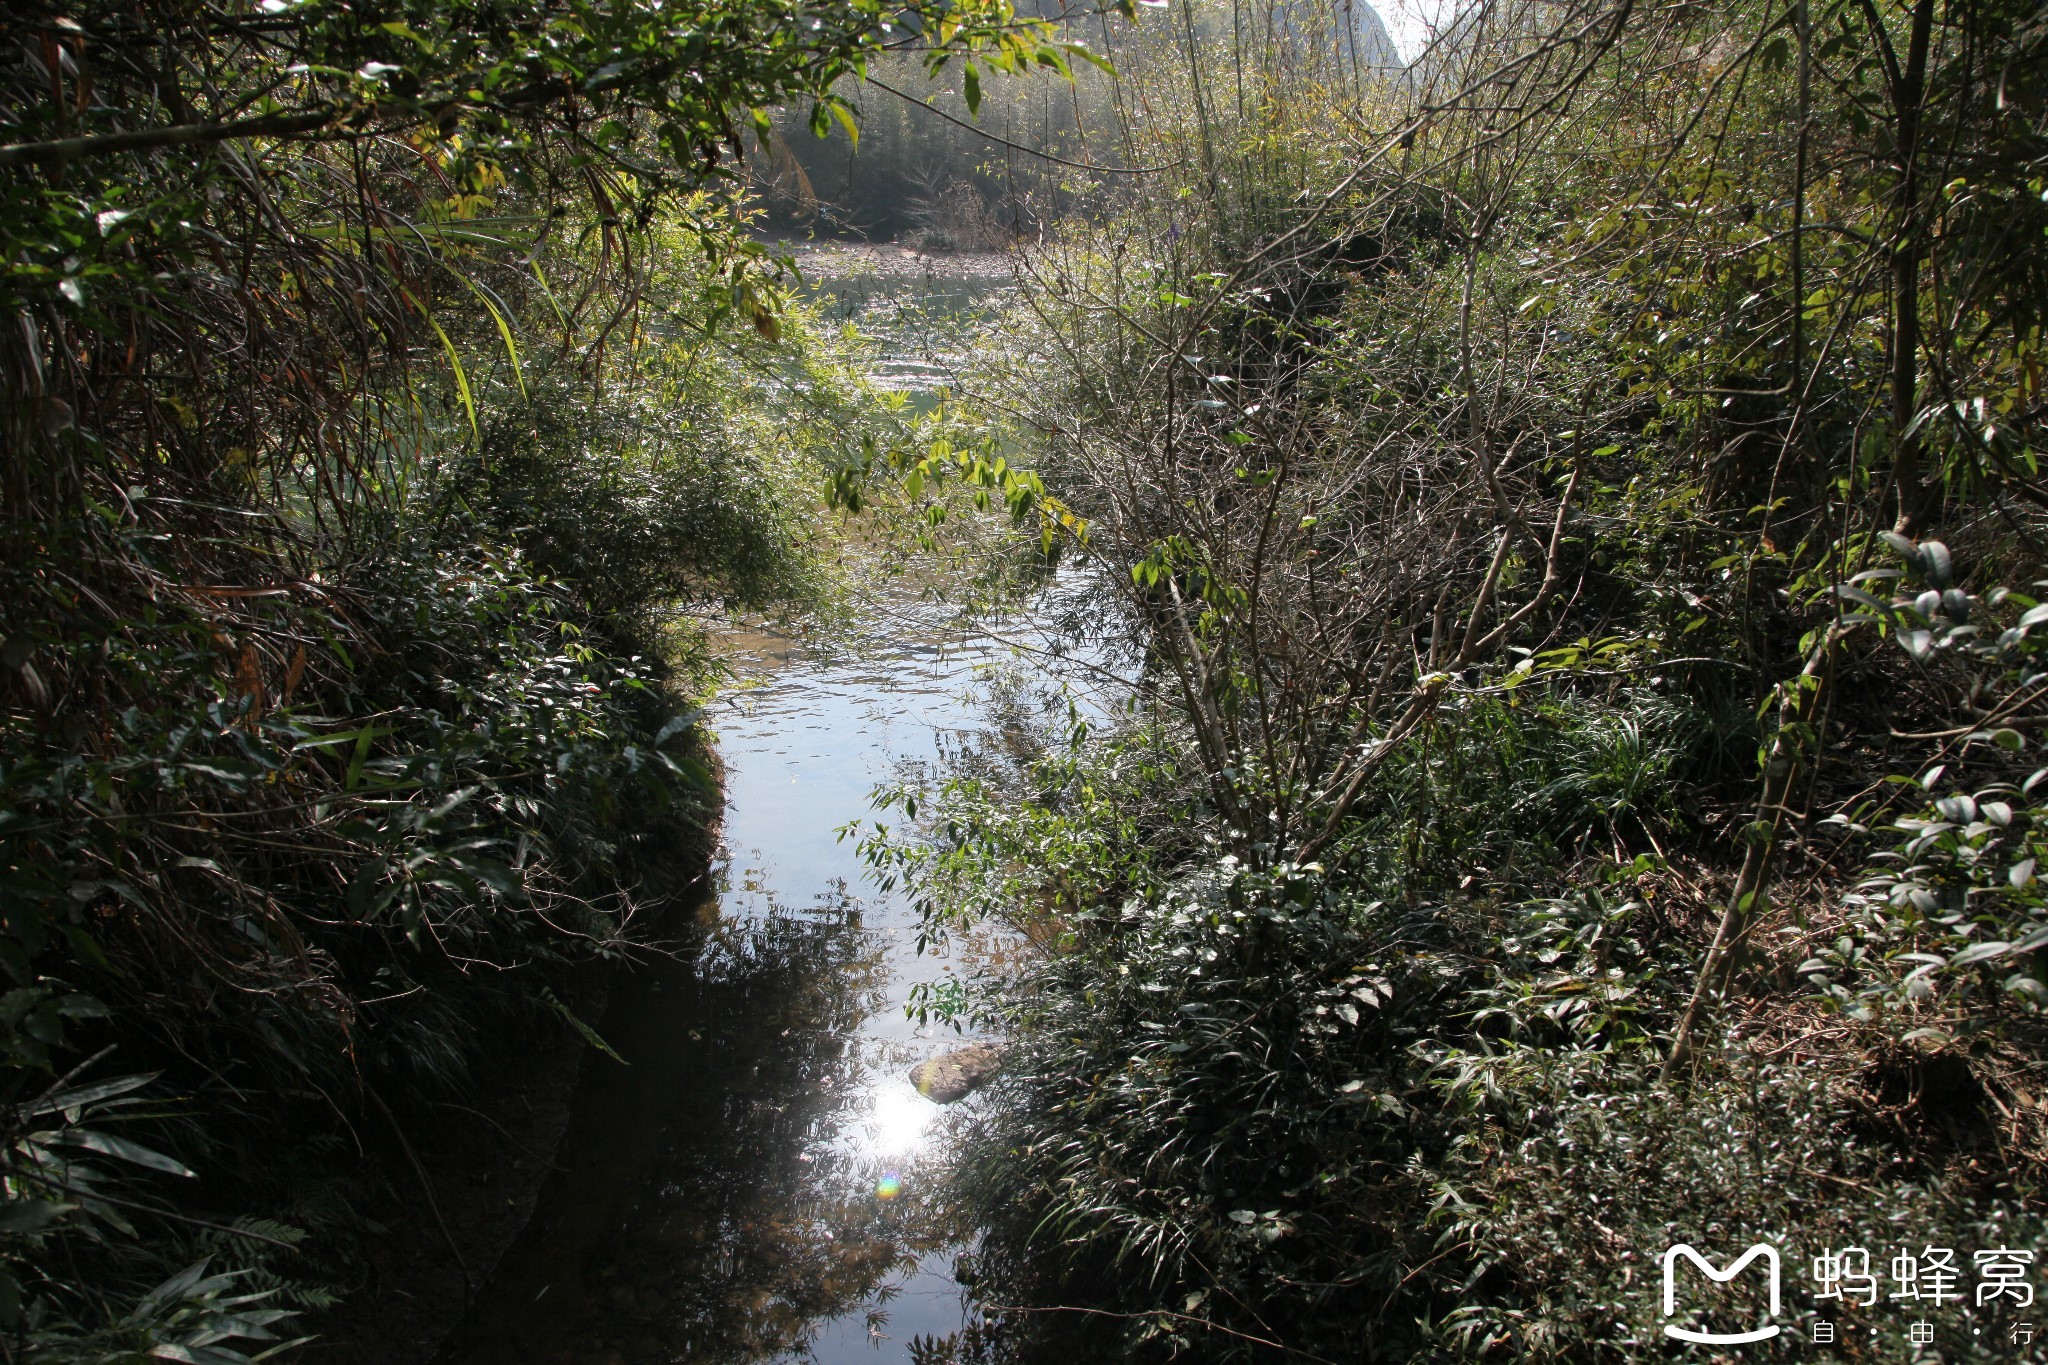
<point x="1541" y="491"/>
<point x="372" y="430"/>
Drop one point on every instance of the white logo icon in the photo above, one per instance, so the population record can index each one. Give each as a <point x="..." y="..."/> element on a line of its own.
<point x="1769" y="1255"/>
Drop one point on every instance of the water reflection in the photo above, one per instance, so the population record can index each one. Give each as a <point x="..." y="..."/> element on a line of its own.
<point x="920" y="308"/>
<point x="753" y="1185"/>
<point x="712" y="1203"/>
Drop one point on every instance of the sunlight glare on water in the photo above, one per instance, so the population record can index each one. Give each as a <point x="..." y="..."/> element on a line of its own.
<point x="899" y="1121"/>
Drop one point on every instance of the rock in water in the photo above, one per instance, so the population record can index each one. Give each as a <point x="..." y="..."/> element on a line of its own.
<point x="956" y="1074"/>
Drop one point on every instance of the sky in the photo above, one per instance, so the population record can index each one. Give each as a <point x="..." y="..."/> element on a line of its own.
<point x="1411" y="22"/>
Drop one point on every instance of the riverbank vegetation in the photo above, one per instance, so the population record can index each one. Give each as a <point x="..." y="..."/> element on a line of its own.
<point x="1563" y="515"/>
<point x="1573" y="511"/>
<point x="386" y="395"/>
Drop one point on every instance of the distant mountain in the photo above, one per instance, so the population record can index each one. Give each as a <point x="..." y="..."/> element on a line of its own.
<point x="1348" y="34"/>
<point x="1370" y="43"/>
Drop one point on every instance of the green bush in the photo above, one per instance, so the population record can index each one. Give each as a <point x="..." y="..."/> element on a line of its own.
<point x="313" y="841"/>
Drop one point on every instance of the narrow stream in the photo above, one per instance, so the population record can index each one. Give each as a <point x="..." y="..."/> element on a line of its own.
<point x="754" y="1183"/>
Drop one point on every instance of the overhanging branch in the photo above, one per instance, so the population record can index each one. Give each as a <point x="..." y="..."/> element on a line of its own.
<point x="179" y="135"/>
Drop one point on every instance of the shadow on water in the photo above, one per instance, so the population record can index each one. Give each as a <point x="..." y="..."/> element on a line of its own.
<point x="707" y="1207"/>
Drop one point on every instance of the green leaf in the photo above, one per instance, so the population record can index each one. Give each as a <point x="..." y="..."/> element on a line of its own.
<point x="499" y="877"/>
<point x="1979" y="952"/>
<point x="504" y="329"/>
<point x="583" y="1030"/>
<point x="362" y="754"/>
<point x="405" y="30"/>
<point x="366" y="894"/>
<point x="30" y="1215"/>
<point x="79" y="1096"/>
<point x="454" y="362"/>
<point x="847" y="121"/>
<point x="123" y="1150"/>
<point x="1089" y="55"/>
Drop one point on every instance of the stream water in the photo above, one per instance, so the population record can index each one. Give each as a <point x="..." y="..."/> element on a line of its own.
<point x="754" y="1183"/>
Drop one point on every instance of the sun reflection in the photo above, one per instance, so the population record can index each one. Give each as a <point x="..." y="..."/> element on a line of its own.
<point x="896" y="1124"/>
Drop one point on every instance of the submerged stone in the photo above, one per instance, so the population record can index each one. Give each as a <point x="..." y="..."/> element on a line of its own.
<point x="956" y="1074"/>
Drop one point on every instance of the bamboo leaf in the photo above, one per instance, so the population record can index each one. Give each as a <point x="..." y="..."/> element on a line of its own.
<point x="454" y="363"/>
<point x="123" y="1150"/>
<point x="504" y="330"/>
